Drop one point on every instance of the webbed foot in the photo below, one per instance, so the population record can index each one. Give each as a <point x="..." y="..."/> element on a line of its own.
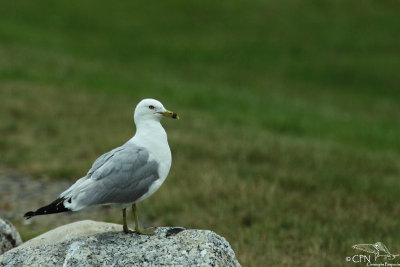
<point x="145" y="231"/>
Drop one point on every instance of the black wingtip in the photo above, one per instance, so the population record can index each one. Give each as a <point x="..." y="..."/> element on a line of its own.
<point x="29" y="215"/>
<point x="55" y="207"/>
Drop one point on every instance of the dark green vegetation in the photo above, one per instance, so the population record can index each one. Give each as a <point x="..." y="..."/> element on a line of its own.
<point x="290" y="133"/>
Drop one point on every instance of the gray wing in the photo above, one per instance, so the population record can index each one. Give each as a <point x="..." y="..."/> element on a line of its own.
<point x="103" y="159"/>
<point x="120" y="176"/>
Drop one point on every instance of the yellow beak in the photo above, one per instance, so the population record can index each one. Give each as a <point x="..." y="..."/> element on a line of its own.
<point x="170" y="114"/>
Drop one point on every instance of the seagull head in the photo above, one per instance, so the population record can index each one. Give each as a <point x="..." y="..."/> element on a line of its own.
<point x="151" y="109"/>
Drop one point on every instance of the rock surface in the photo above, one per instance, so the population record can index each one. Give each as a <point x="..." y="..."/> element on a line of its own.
<point x="72" y="230"/>
<point x="168" y="247"/>
<point x="9" y="237"/>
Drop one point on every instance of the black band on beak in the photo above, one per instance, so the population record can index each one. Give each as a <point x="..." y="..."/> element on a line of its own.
<point x="174" y="115"/>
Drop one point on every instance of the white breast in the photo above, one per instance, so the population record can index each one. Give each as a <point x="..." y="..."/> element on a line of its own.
<point x="154" y="139"/>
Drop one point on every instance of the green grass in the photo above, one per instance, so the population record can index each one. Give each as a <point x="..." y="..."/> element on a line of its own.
<point x="290" y="133"/>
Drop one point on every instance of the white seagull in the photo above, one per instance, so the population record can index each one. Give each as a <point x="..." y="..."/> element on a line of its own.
<point x="125" y="175"/>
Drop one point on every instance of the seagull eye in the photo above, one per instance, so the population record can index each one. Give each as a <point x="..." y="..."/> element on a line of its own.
<point x="151" y="107"/>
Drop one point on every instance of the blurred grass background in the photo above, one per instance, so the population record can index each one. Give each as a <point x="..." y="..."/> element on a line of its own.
<point x="290" y="133"/>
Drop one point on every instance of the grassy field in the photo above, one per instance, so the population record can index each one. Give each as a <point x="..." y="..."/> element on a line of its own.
<point x="289" y="142"/>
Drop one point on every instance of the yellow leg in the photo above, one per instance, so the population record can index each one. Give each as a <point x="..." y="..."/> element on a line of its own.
<point x="146" y="231"/>
<point x="125" y="226"/>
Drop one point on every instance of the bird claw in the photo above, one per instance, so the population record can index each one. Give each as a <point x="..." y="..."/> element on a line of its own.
<point x="146" y="231"/>
<point x="128" y="231"/>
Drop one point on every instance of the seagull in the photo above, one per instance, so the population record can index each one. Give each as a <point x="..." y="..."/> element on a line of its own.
<point x="125" y="175"/>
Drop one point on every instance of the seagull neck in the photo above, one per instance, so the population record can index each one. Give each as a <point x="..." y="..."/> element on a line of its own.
<point x="150" y="129"/>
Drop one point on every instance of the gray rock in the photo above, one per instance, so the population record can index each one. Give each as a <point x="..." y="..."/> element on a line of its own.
<point x="9" y="237"/>
<point x="72" y="230"/>
<point x="168" y="247"/>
